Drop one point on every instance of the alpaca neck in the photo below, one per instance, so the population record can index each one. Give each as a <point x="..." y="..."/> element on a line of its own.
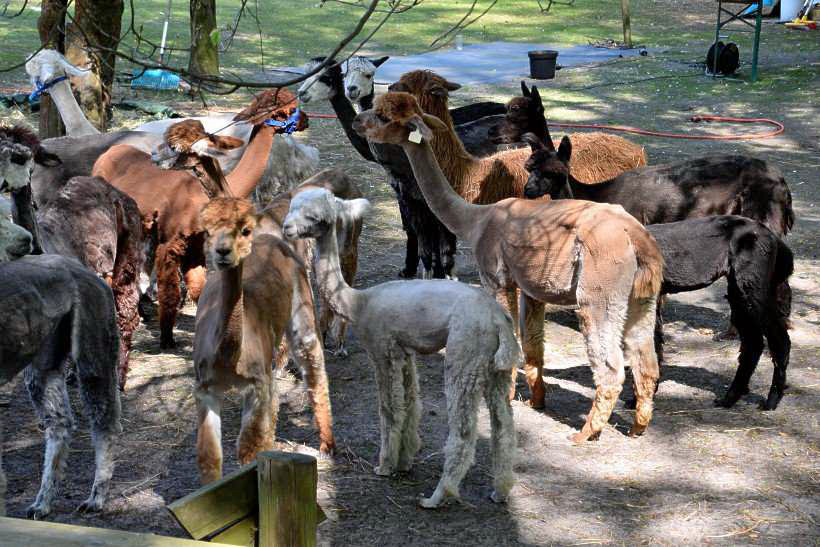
<point x="346" y="114"/>
<point x="589" y="192"/>
<point x="341" y="297"/>
<point x="23" y="215"/>
<point x="76" y="124"/>
<point x="457" y="162"/>
<point x="539" y="128"/>
<point x="459" y="216"/>
<point x="230" y="308"/>
<point x="248" y="172"/>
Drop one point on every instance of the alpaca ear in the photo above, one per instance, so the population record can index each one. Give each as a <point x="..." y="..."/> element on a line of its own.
<point x="225" y="142"/>
<point x="451" y="86"/>
<point x="433" y="123"/>
<point x="524" y="90"/>
<point x="536" y="99"/>
<point x="45" y="158"/>
<point x="357" y="208"/>
<point x="380" y="61"/>
<point x="534" y="142"/>
<point x="565" y="149"/>
<point x="417" y="123"/>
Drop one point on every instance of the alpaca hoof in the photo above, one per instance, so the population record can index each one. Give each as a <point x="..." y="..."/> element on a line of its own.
<point x="537" y="404"/>
<point x="167" y="344"/>
<point x="729" y="334"/>
<point x="383" y="470"/>
<point x="770" y="404"/>
<point x="581" y="437"/>
<point x="431" y="503"/>
<point x="37" y="511"/>
<point x="407" y="274"/>
<point x="327" y="447"/>
<point x="91" y="505"/>
<point x="636" y="430"/>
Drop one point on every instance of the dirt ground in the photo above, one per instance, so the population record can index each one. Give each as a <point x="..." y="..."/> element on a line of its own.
<point x="700" y="474"/>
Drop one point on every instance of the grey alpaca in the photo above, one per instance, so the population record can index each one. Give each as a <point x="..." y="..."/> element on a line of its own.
<point x="53" y="309"/>
<point x="396" y="320"/>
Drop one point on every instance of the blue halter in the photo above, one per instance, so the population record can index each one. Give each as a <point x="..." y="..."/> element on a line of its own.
<point x="42" y="88"/>
<point x="290" y="125"/>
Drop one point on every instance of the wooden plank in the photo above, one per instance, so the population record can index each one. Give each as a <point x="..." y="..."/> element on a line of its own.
<point x="36" y="533"/>
<point x="218" y="505"/>
<point x="288" y="512"/>
<point x="242" y="533"/>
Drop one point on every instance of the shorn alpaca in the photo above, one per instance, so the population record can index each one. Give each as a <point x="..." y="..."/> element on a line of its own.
<point x="93" y="222"/>
<point x="598" y="156"/>
<point x="718" y="185"/>
<point x="757" y="266"/>
<point x="52" y="309"/>
<point x="565" y="252"/>
<point x="169" y="201"/>
<point x="427" y="238"/>
<point x="396" y="320"/>
<point x="252" y="299"/>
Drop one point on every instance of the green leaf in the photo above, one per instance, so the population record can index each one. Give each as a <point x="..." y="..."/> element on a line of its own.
<point x="215" y="37"/>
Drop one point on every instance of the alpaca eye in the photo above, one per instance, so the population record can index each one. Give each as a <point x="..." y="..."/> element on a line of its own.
<point x="246" y="232"/>
<point x="382" y="118"/>
<point x="368" y="76"/>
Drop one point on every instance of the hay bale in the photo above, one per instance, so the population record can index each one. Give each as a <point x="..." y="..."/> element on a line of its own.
<point x="597" y="156"/>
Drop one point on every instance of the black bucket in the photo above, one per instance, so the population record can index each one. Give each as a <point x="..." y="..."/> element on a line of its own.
<point x="542" y="64"/>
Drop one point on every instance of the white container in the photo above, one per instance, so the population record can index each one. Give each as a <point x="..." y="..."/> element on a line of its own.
<point x="789" y="9"/>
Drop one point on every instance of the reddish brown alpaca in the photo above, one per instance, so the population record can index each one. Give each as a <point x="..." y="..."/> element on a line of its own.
<point x="170" y="201"/>
<point x="258" y="292"/>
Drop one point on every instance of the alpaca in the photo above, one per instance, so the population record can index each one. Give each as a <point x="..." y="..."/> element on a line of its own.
<point x="359" y="79"/>
<point x="96" y="224"/>
<point x="331" y="325"/>
<point x="757" y="266"/>
<point x="427" y="238"/>
<point x="259" y="291"/>
<point x="717" y="185"/>
<point x="52" y="309"/>
<point x="570" y="252"/>
<point x="598" y="156"/>
<point x="169" y="201"/>
<point x="396" y="320"/>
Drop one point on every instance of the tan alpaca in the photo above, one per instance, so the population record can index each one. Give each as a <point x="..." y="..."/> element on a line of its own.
<point x="258" y="292"/>
<point x="569" y="252"/>
<point x="499" y="176"/>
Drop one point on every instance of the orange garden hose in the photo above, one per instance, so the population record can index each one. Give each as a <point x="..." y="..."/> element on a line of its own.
<point x="779" y="128"/>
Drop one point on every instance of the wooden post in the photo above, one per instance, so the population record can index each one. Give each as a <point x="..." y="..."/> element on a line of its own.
<point x="627" y="23"/>
<point x="288" y="513"/>
<point x="51" y="26"/>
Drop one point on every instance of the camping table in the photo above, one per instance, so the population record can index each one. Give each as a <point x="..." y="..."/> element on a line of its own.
<point x="757" y="5"/>
<point x="551" y="2"/>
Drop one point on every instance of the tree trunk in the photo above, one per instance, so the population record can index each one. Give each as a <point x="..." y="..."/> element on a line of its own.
<point x="627" y="23"/>
<point x="51" y="27"/>
<point x="204" y="54"/>
<point x="100" y="22"/>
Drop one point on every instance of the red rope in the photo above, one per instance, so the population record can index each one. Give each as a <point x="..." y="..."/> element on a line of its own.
<point x="694" y="119"/>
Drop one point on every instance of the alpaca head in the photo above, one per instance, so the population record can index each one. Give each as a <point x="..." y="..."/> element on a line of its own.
<point x="394" y="118"/>
<point x="277" y="104"/>
<point x="431" y="90"/>
<point x="313" y="212"/>
<point x="358" y="81"/>
<point x="324" y="84"/>
<point x="548" y="169"/>
<point x="187" y="140"/>
<point x="228" y="225"/>
<point x="48" y="64"/>
<point x="15" y="241"/>
<point x="20" y="150"/>
<point x="523" y="114"/>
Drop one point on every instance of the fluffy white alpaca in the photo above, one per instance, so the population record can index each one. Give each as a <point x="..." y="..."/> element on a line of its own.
<point x="396" y="320"/>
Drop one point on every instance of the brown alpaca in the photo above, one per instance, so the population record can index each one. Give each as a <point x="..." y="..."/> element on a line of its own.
<point x="561" y="252"/>
<point x="170" y="200"/>
<point x="258" y="292"/>
<point x="91" y="221"/>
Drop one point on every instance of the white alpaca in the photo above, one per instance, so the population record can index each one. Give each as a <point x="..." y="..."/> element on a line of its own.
<point x="396" y="320"/>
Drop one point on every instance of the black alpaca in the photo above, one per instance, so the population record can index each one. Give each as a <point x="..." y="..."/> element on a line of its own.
<point x="718" y="185"/>
<point x="427" y="238"/>
<point x="525" y="114"/>
<point x="756" y="265"/>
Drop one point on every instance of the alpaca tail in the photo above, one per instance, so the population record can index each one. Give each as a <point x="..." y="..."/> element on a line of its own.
<point x="783" y="268"/>
<point x="788" y="217"/>
<point x="508" y="354"/>
<point x="649" y="277"/>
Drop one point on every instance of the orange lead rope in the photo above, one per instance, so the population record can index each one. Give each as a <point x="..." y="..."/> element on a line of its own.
<point x="695" y="119"/>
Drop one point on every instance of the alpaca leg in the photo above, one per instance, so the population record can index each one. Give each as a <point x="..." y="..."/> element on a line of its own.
<point x="410" y="440"/>
<point x="209" y="434"/>
<point x="449" y="244"/>
<point x="2" y="480"/>
<point x="281" y="358"/>
<point x="411" y="257"/>
<point x="350" y="265"/>
<point x="508" y="299"/>
<point x="306" y="349"/>
<point x="47" y="391"/>
<point x="639" y="350"/>
<point x="259" y="409"/>
<point x="602" y="326"/>
<point x="751" y="348"/>
<point x="532" y="335"/>
<point x="462" y="386"/>
<point x="427" y="249"/>
<point x="126" y="298"/>
<point x="780" y="347"/>
<point x="502" y="429"/>
<point x="167" y="268"/>
<point x="389" y="378"/>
